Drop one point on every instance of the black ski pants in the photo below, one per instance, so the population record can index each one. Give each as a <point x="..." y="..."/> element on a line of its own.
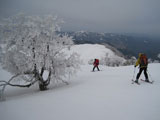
<point x="96" y="67"/>
<point x="145" y="73"/>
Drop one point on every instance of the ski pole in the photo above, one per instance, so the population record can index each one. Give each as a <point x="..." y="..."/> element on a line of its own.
<point x="134" y="73"/>
<point x="150" y="75"/>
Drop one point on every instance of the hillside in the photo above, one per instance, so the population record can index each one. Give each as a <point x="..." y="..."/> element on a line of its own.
<point x="88" y="52"/>
<point x="107" y="94"/>
<point x="99" y="95"/>
<point x="128" y="44"/>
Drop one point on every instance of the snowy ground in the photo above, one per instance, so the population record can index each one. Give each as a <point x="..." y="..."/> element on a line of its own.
<point x="104" y="95"/>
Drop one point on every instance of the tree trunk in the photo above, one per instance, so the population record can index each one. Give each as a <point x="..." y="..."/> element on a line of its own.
<point x="42" y="83"/>
<point x="42" y="86"/>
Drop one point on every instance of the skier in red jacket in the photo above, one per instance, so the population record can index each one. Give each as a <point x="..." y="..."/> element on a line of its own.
<point x="95" y="64"/>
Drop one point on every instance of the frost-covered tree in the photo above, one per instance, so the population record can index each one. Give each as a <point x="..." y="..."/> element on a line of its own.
<point x="34" y="53"/>
<point x="113" y="60"/>
<point x="130" y="61"/>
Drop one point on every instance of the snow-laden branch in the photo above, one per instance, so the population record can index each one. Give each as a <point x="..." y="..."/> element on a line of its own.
<point x="10" y="82"/>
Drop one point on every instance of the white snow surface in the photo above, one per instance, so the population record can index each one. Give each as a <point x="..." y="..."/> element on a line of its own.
<point x="89" y="52"/>
<point x="99" y="95"/>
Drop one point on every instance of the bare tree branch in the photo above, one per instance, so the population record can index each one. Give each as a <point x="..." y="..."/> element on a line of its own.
<point x="4" y="83"/>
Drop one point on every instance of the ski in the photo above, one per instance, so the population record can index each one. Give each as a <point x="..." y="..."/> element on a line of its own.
<point x="135" y="82"/>
<point x="96" y="71"/>
<point x="151" y="82"/>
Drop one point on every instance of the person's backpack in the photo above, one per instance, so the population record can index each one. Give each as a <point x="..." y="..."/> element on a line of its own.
<point x="143" y="60"/>
<point x="97" y="61"/>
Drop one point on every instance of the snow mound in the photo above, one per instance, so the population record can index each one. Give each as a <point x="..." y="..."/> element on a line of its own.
<point x="89" y="52"/>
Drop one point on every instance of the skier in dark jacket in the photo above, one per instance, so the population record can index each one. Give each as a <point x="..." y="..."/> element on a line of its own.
<point x="95" y="64"/>
<point x="142" y="61"/>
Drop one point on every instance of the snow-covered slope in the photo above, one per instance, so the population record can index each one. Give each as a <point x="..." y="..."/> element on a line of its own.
<point x="104" y="95"/>
<point x="89" y="52"/>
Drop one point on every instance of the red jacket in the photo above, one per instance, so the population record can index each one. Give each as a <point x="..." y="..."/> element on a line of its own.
<point x="96" y="62"/>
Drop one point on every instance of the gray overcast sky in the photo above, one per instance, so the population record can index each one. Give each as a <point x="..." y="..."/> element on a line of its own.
<point x="120" y="16"/>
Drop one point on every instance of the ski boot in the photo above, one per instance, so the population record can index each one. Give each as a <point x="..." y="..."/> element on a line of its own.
<point x="136" y="81"/>
<point x="147" y="80"/>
